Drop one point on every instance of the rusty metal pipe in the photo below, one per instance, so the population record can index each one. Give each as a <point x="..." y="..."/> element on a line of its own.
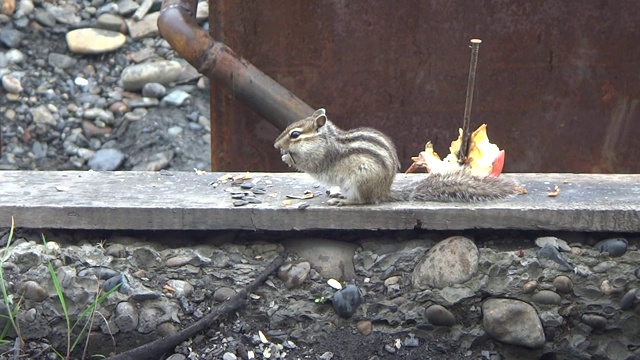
<point x="219" y="63"/>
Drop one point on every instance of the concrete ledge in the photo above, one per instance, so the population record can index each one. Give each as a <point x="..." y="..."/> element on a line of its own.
<point x="187" y="201"/>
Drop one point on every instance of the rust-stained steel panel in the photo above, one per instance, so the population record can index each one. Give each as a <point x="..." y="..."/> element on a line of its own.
<point x="558" y="81"/>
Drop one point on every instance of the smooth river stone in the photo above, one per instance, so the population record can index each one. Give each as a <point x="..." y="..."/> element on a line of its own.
<point x="94" y="41"/>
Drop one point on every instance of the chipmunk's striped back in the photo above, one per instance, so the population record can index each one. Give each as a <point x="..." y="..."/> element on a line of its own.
<point x="363" y="162"/>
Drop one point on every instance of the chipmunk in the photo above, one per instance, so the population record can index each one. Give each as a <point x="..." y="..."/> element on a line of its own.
<point x="363" y="162"/>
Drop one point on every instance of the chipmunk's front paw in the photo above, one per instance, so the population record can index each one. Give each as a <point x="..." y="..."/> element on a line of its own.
<point x="337" y="202"/>
<point x="334" y="192"/>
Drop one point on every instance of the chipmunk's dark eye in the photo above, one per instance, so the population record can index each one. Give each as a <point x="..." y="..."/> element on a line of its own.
<point x="295" y="134"/>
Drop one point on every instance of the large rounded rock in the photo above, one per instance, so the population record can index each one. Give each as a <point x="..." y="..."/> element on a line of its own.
<point x="332" y="259"/>
<point x="94" y="41"/>
<point x="135" y="77"/>
<point x="452" y="261"/>
<point x="513" y="322"/>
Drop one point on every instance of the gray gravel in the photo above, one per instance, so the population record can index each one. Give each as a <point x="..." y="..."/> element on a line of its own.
<point x="83" y="79"/>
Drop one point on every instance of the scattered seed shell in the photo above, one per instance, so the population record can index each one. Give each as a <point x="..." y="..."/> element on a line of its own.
<point x="334" y="284"/>
<point x="553" y="193"/>
<point x="246" y="185"/>
<point x="301" y="197"/>
<point x="303" y="205"/>
<point x="263" y="338"/>
<point x="252" y="200"/>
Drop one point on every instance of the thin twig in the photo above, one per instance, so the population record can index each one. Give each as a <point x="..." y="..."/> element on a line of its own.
<point x="463" y="154"/>
<point x="155" y="349"/>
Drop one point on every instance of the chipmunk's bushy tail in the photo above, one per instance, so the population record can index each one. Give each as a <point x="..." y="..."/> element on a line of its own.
<point x="456" y="186"/>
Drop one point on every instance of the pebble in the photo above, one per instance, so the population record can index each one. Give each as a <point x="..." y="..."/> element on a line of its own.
<point x="614" y="247"/>
<point x="174" y="131"/>
<point x="178" y="261"/>
<point x="14" y="56"/>
<point x="94" y="41"/>
<point x="294" y="275"/>
<point x="31" y="315"/>
<point x="563" y="284"/>
<point x="146" y="27"/>
<point x="229" y="356"/>
<point x="177" y="357"/>
<point x="106" y="160"/>
<point x="65" y="14"/>
<point x="117" y="251"/>
<point x="176" y="98"/>
<point x="42" y="116"/>
<point x="550" y="257"/>
<point x="90" y="130"/>
<point x="11" y="84"/>
<point x="595" y="321"/>
<point x="365" y="327"/>
<point x="438" y="315"/>
<point x="411" y="341"/>
<point x="546" y="297"/>
<point x="61" y="61"/>
<point x="181" y="288"/>
<point x="154" y="90"/>
<point x="126" y="316"/>
<point x="390" y="349"/>
<point x="127" y="7"/>
<point x="604" y="266"/>
<point x="628" y="299"/>
<point x="609" y="289"/>
<point x="144" y="295"/>
<point x="202" y="11"/>
<point x="11" y="37"/>
<point x="513" y="322"/>
<point x="111" y="22"/>
<point x="240" y="203"/>
<point x="223" y="294"/>
<point x="31" y="290"/>
<point x="113" y="282"/>
<point x="134" y="77"/>
<point x="100" y="272"/>
<point x="105" y="116"/>
<point x="144" y="102"/>
<point x="529" y="286"/>
<point x="392" y="280"/>
<point x="25" y="7"/>
<point x="553" y="241"/>
<point x="451" y="261"/>
<point x="346" y="301"/>
<point x="44" y="18"/>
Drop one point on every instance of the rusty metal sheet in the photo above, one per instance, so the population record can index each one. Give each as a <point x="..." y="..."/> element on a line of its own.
<point x="557" y="81"/>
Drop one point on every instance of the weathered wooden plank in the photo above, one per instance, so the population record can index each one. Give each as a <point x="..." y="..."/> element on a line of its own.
<point x="164" y="201"/>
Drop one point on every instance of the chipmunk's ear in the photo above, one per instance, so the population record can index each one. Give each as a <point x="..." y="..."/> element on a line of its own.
<point x="320" y="117"/>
